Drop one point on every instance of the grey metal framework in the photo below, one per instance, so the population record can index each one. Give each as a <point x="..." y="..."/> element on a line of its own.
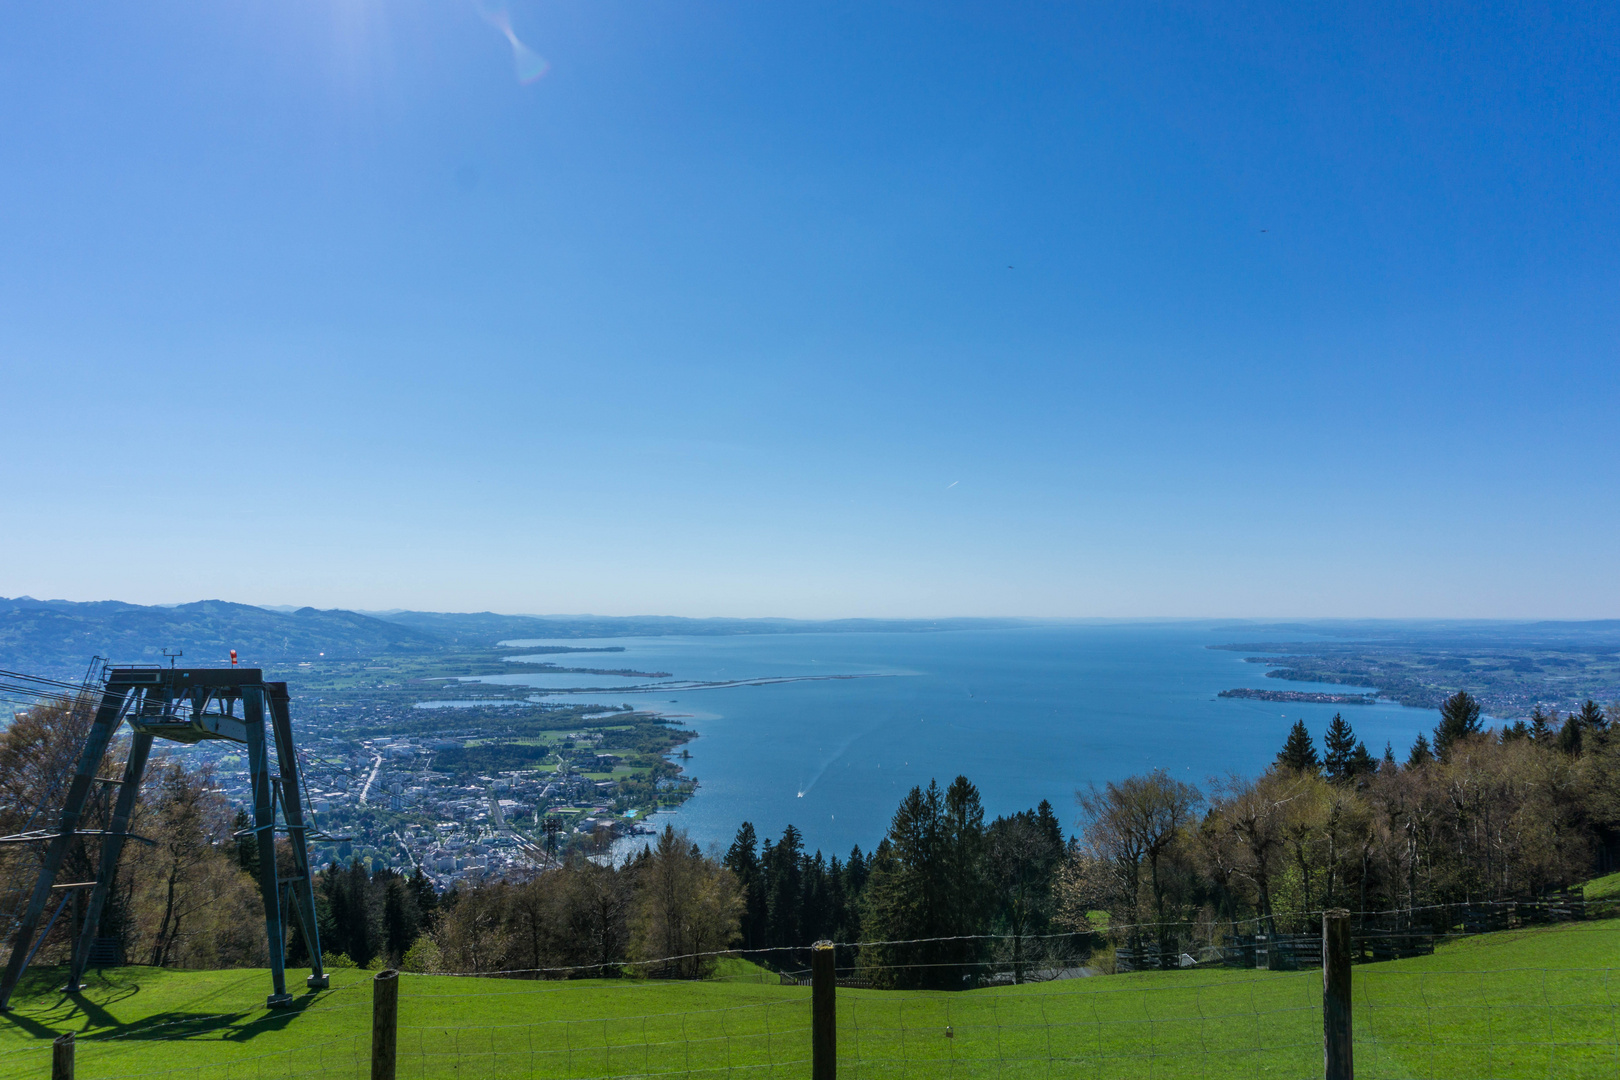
<point x="184" y="705"/>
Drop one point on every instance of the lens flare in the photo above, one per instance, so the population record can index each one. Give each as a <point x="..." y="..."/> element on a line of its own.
<point x="529" y="65"/>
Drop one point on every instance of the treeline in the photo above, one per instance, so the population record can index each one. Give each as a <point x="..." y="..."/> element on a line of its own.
<point x="940" y="872"/>
<point x="664" y="913"/>
<point x="1472" y="816"/>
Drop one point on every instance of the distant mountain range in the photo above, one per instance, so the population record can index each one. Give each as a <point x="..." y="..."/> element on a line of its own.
<point x="59" y="637"/>
<point x="487" y="628"/>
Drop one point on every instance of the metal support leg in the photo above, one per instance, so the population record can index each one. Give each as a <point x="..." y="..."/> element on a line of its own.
<point x="302" y="888"/>
<point x="102" y="727"/>
<point x="264" y="831"/>
<point x="112" y="845"/>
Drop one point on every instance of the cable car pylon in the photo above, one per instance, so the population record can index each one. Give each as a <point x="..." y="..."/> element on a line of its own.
<point x="184" y="705"/>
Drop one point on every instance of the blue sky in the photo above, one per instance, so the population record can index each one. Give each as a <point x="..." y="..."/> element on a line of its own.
<point x="813" y="309"/>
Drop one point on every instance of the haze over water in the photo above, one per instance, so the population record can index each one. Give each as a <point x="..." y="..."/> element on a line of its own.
<point x="1027" y="714"/>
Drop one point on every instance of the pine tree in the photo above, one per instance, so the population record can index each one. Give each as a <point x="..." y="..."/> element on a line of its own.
<point x="1571" y="736"/>
<point x="855" y="871"/>
<point x="815" y="906"/>
<point x="911" y="894"/>
<point x="1299" y="753"/>
<point x="1459" y="719"/>
<point x="962" y="847"/>
<point x="784" y="889"/>
<point x="1592" y="718"/>
<point x="332" y="909"/>
<point x="359" y="927"/>
<point x="425" y="897"/>
<point x="837" y="901"/>
<point x="1421" y="754"/>
<point x="401" y="921"/>
<point x="1047" y="819"/>
<point x="1339" y="746"/>
<point x="1362" y="763"/>
<point x="855" y="875"/>
<point x="1388" y="764"/>
<point x="1541" y="725"/>
<point x="743" y="861"/>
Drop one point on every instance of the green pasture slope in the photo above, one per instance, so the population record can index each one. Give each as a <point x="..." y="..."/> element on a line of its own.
<point x="1531" y="1003"/>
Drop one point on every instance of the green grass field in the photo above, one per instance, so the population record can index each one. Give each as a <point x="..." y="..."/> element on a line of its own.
<point x="1603" y="888"/>
<point x="1531" y="1003"/>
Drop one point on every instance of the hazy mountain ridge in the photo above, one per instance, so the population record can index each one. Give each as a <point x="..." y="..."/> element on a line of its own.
<point x="486" y="627"/>
<point x="58" y="637"/>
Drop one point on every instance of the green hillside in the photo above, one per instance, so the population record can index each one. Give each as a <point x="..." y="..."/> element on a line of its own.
<point x="1534" y="1003"/>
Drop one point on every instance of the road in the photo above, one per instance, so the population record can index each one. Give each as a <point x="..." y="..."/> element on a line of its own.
<point x="376" y="767"/>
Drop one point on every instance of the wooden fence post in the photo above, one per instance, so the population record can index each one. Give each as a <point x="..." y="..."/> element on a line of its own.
<point x="1336" y="1048"/>
<point x="384" y="1023"/>
<point x="823" y="1012"/>
<point x="62" y="1057"/>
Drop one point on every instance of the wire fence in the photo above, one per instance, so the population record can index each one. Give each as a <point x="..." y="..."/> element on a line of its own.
<point x="1458" y="1015"/>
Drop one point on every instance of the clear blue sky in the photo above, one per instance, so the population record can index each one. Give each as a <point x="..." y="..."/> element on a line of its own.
<point x="813" y="309"/>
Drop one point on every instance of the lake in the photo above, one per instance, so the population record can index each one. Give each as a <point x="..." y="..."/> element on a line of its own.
<point x="1028" y="713"/>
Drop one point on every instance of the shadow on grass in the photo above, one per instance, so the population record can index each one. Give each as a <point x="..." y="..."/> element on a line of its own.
<point x="86" y="1012"/>
<point x="180" y="1024"/>
<point x="28" y="1024"/>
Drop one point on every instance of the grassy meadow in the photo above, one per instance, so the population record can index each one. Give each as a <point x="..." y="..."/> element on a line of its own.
<point x="1536" y="1003"/>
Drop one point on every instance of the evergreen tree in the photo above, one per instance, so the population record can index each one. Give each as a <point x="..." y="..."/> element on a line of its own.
<point x="962" y="848"/>
<point x="426" y="899"/>
<point x="906" y="895"/>
<point x="1388" y="764"/>
<point x="784" y="889"/>
<point x="1571" y="737"/>
<point x="854" y="889"/>
<point x="855" y="872"/>
<point x="1459" y="719"/>
<point x="1543" y="726"/>
<point x="1362" y="763"/>
<point x="815" y="908"/>
<point x="401" y="921"/>
<point x="1515" y="731"/>
<point x="1299" y="753"/>
<point x="1421" y="754"/>
<point x="332" y="909"/>
<point x="743" y="861"/>
<point x="1050" y="827"/>
<point x="1581" y="729"/>
<point x="351" y="921"/>
<point x="1339" y="750"/>
<point x="926" y="881"/>
<point x="837" y="902"/>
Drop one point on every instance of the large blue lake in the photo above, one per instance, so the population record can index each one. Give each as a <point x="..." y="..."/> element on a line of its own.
<point x="1027" y="714"/>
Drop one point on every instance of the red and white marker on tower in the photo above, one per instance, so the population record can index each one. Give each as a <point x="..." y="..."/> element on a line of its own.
<point x="233" y="658"/>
